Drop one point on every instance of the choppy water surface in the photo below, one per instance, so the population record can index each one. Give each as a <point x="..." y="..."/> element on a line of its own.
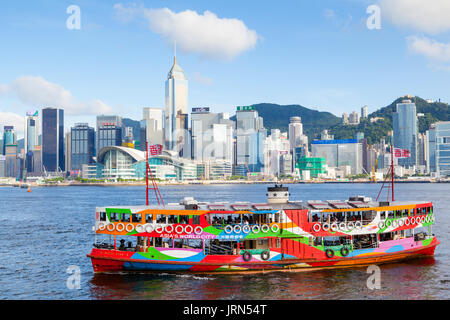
<point x="44" y="232"/>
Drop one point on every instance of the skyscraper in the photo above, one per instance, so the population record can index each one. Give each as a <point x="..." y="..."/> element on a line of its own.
<point x="82" y="145"/>
<point x="9" y="137"/>
<point x="364" y="112"/>
<point x="31" y="139"/>
<point x="250" y="136"/>
<point x="31" y="131"/>
<point x="109" y="131"/>
<point x="152" y="127"/>
<point x="439" y="152"/>
<point x="53" y="158"/>
<point x="212" y="136"/>
<point x="176" y="108"/>
<point x="405" y="131"/>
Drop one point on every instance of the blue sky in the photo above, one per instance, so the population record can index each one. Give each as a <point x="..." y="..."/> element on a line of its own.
<point x="319" y="54"/>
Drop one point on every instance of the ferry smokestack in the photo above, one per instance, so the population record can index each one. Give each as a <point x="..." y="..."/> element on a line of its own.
<point x="278" y="194"/>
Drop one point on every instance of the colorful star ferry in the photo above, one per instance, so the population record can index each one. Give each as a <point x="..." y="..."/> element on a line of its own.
<point x="193" y="236"/>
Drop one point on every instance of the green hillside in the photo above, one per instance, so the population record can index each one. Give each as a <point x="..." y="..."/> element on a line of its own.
<point x="277" y="117"/>
<point x="433" y="112"/>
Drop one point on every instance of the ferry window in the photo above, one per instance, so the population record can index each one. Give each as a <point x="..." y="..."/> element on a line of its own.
<point x="391" y="214"/>
<point x="172" y="219"/>
<point x="125" y="217"/>
<point x="318" y="241"/>
<point x="427" y="210"/>
<point x="102" y="216"/>
<point x="277" y="218"/>
<point x="277" y="243"/>
<point x="398" y="213"/>
<point x="196" y="220"/>
<point x="184" y="219"/>
<point x="136" y="218"/>
<point x="236" y="218"/>
<point x="405" y="212"/>
<point x="325" y="216"/>
<point x="158" y="242"/>
<point x="148" y="218"/>
<point x="178" y="243"/>
<point x="161" y="218"/>
<point x="412" y="212"/>
<point x="315" y="217"/>
<point x="114" y="217"/>
<point x="424" y="211"/>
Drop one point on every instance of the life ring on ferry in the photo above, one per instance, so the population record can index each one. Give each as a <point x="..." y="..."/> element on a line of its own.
<point x="122" y="227"/>
<point x="334" y="226"/>
<point x="329" y="253"/>
<point x="198" y="230"/>
<point x="265" y="228"/>
<point x="177" y="230"/>
<point x="388" y="223"/>
<point x="110" y="225"/>
<point x="342" y="226"/>
<point x="265" y="255"/>
<point x="228" y="229"/>
<point x="169" y="228"/>
<point x="149" y="228"/>
<point x="358" y="225"/>
<point x="247" y="256"/>
<point x="140" y="228"/>
<point x="350" y="226"/>
<point x="129" y="225"/>
<point x="275" y="228"/>
<point x="394" y="224"/>
<point x="102" y="226"/>
<point x="422" y="219"/>
<point x="316" y="229"/>
<point x="401" y="223"/>
<point x="345" y="251"/>
<point x="159" y="229"/>
<point x="256" y="229"/>
<point x="381" y="225"/>
<point x="407" y="222"/>
<point x="246" y="229"/>
<point x="191" y="229"/>
<point x="326" y="226"/>
<point x="413" y="220"/>
<point x="237" y="229"/>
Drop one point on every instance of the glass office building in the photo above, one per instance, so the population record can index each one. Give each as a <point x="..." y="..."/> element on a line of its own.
<point x="441" y="154"/>
<point x="53" y="158"/>
<point x="405" y="131"/>
<point x="82" y="146"/>
<point x="340" y="153"/>
<point x="110" y="131"/>
<point x="250" y="137"/>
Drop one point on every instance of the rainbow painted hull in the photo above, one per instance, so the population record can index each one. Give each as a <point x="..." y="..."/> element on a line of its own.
<point x="194" y="261"/>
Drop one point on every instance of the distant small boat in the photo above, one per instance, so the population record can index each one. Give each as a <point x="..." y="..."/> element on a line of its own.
<point x="29" y="189"/>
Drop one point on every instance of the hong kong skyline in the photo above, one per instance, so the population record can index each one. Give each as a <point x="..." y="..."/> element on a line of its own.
<point x="320" y="55"/>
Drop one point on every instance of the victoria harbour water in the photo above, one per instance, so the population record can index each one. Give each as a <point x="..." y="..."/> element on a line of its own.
<point x="44" y="232"/>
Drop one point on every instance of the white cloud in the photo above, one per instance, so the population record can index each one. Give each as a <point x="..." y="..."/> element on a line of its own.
<point x="429" y="48"/>
<point x="205" y="34"/>
<point x="39" y="93"/>
<point x="12" y="119"/>
<point x="431" y="16"/>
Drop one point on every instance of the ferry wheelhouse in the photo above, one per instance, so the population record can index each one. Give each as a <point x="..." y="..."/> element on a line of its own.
<point x="280" y="234"/>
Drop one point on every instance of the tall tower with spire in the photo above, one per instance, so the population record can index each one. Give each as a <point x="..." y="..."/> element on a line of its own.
<point x="176" y="110"/>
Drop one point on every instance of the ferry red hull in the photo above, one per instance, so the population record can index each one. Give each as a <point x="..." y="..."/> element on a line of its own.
<point x="108" y="261"/>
